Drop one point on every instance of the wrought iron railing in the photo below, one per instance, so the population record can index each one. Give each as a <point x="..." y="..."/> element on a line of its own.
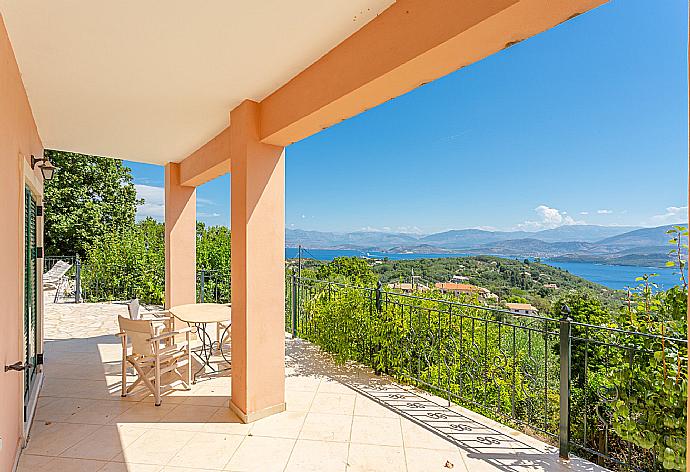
<point x="213" y="286"/>
<point x="86" y="283"/>
<point x="531" y="372"/>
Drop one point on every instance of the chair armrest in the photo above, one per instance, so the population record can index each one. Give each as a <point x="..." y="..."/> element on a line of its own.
<point x="153" y="317"/>
<point x="170" y="334"/>
<point x="120" y="334"/>
<point x="157" y="312"/>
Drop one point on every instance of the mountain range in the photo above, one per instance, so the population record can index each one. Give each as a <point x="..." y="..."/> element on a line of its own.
<point x="625" y="245"/>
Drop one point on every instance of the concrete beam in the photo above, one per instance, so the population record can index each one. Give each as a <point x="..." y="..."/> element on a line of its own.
<point x="411" y="43"/>
<point x="208" y="162"/>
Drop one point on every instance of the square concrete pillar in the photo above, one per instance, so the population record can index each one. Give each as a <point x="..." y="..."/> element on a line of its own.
<point x="180" y="239"/>
<point x="258" y="268"/>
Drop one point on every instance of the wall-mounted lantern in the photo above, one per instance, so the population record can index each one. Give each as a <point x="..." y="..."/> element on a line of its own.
<point x="47" y="168"/>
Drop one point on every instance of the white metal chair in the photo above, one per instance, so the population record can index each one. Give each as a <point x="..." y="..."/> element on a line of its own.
<point x="154" y="353"/>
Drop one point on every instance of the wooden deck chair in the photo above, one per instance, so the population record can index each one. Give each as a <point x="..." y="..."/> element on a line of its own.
<point x="163" y="319"/>
<point x="150" y="358"/>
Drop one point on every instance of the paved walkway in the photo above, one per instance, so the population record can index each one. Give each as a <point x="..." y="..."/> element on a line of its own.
<point x="338" y="418"/>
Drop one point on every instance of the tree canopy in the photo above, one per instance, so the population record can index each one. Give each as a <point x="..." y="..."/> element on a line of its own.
<point x="88" y="197"/>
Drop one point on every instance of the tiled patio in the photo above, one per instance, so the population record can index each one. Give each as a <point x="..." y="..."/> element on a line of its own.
<point x="335" y="418"/>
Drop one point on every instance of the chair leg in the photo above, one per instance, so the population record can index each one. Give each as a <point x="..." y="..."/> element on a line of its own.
<point x="157" y="386"/>
<point x="188" y="354"/>
<point x="124" y="366"/>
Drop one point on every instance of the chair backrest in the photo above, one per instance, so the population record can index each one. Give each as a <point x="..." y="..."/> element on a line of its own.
<point x="54" y="269"/>
<point x="133" y="309"/>
<point x="138" y="332"/>
<point x="58" y="270"/>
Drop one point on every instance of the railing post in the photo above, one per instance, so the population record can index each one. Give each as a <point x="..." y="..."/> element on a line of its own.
<point x="293" y="305"/>
<point x="565" y="359"/>
<point x="378" y="296"/>
<point x="77" y="279"/>
<point x="201" y="286"/>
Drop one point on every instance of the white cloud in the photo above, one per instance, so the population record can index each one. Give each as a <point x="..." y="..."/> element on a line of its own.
<point x="154" y="202"/>
<point x="673" y="214"/>
<point x="584" y="213"/>
<point x="409" y="229"/>
<point x="549" y="218"/>
<point x="204" y="201"/>
<point x="604" y="212"/>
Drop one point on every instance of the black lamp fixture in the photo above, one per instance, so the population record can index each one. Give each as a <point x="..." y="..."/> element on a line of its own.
<point x="47" y="168"/>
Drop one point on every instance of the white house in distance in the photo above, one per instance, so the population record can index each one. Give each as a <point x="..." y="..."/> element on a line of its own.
<point x="522" y="308"/>
<point x="407" y="287"/>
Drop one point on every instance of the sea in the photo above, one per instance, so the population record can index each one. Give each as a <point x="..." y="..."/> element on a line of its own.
<point x="612" y="276"/>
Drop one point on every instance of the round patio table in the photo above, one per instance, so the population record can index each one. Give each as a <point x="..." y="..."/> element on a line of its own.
<point x="199" y="315"/>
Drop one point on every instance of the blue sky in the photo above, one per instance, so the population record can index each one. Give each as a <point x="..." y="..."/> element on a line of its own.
<point x="585" y="123"/>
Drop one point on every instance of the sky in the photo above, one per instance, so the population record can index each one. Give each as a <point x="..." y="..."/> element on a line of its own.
<point x="583" y="124"/>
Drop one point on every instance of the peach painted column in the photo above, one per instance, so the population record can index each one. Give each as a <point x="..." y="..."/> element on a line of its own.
<point x="180" y="239"/>
<point x="258" y="268"/>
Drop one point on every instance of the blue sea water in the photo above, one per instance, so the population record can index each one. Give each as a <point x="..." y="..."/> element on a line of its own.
<point x="611" y="276"/>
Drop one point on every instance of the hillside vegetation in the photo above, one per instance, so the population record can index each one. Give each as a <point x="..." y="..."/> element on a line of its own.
<point x="510" y="279"/>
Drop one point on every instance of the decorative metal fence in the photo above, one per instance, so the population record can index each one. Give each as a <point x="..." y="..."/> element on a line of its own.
<point x="213" y="286"/>
<point x="554" y="378"/>
<point x="86" y="283"/>
<point x="50" y="261"/>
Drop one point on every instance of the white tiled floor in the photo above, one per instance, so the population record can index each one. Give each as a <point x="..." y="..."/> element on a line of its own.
<point x="331" y="423"/>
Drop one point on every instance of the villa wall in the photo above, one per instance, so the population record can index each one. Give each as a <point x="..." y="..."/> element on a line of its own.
<point x="18" y="140"/>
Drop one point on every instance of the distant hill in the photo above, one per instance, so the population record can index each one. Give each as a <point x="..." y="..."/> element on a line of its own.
<point x="531" y="247"/>
<point x="453" y="239"/>
<point x="586" y="233"/>
<point x="638" y="238"/>
<point x="625" y="245"/>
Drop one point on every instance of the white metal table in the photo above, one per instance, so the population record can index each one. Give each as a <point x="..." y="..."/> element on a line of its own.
<point x="199" y="315"/>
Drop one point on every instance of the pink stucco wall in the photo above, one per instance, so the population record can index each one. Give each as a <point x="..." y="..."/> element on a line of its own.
<point x="18" y="140"/>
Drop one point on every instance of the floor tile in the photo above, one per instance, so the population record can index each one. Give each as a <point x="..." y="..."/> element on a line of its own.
<point x="143" y="413"/>
<point x="31" y="463"/>
<point x="52" y="439"/>
<point x="333" y="403"/>
<point x="287" y="424"/>
<point x="430" y="460"/>
<point x="64" y="464"/>
<point x="371" y="458"/>
<point x="417" y="436"/>
<point x="208" y="450"/>
<point x="326" y="427"/>
<point x="186" y="417"/>
<point x="99" y="412"/>
<point x="105" y="443"/>
<point x="318" y="456"/>
<point x="261" y="454"/>
<point x="296" y="400"/>
<point x="155" y="447"/>
<point x="333" y="386"/>
<point x="130" y="467"/>
<point x="380" y="431"/>
<point x="366" y="407"/>
<point x="227" y="422"/>
<point x="61" y="409"/>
